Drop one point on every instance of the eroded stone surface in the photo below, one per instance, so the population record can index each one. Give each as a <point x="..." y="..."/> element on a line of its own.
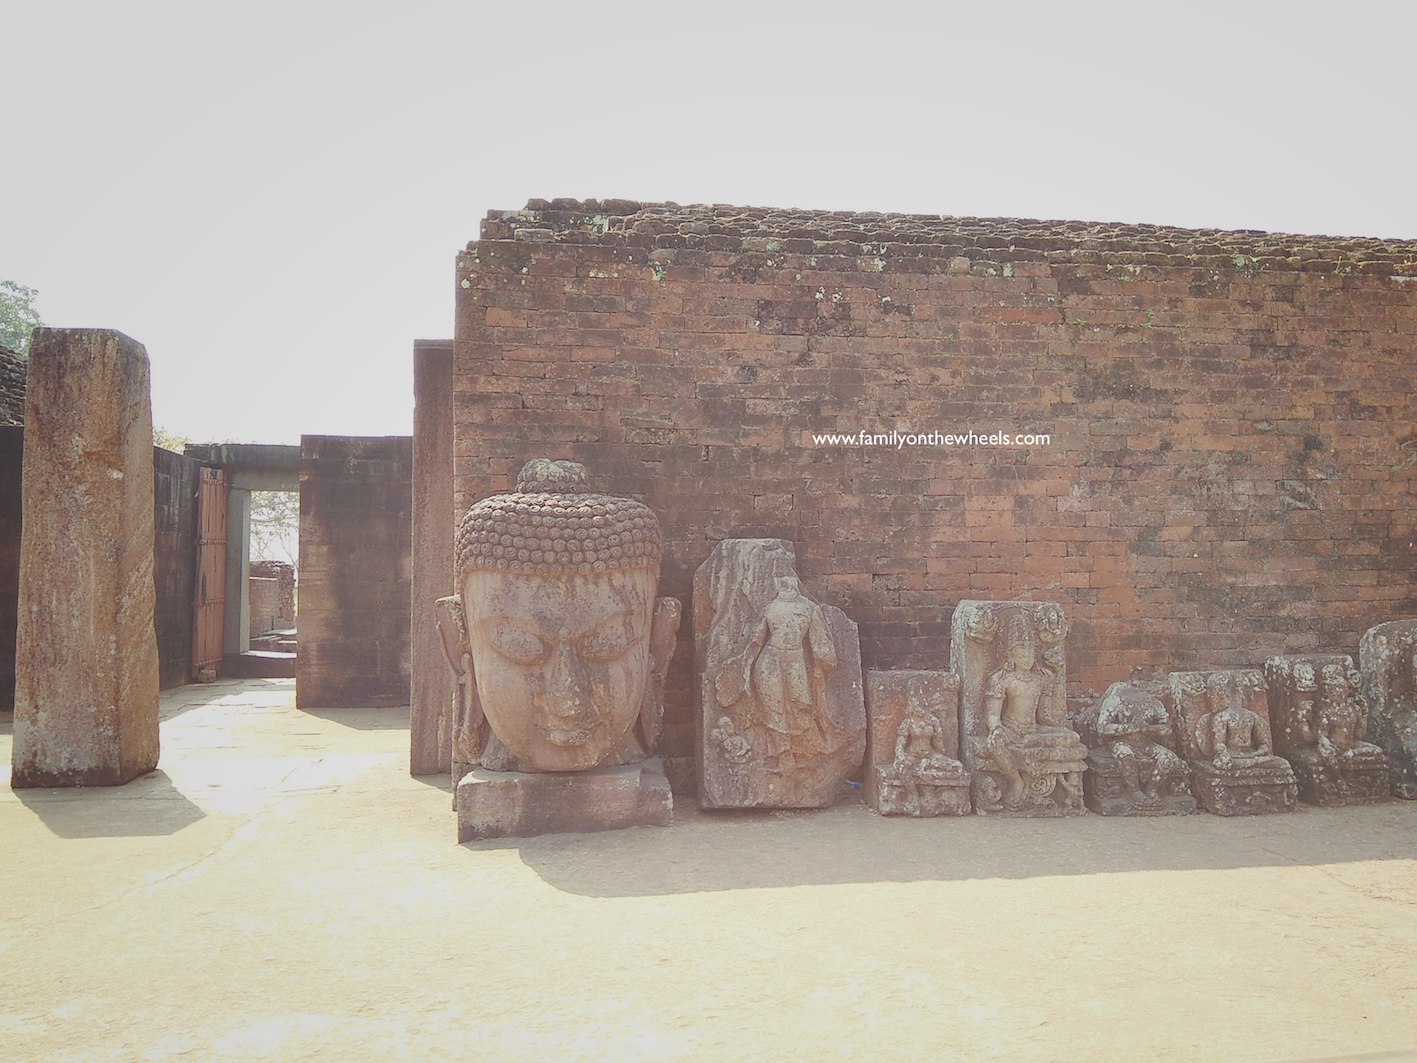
<point x="781" y="716"/>
<point x="1387" y="656"/>
<point x="1223" y="722"/>
<point x="1316" y="703"/>
<point x="86" y="687"/>
<point x="1024" y="758"/>
<point x="912" y="745"/>
<point x="1133" y="768"/>
<point x="513" y="804"/>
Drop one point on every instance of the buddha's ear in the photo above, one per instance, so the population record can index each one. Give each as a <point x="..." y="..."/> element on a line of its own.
<point x="451" y="622"/>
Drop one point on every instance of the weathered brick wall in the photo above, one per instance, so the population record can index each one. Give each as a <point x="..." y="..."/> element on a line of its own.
<point x="355" y="557"/>
<point x="175" y="480"/>
<point x="13" y="369"/>
<point x="1232" y="465"/>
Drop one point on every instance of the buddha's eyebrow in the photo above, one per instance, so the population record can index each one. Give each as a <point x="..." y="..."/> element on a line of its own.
<point x="516" y="620"/>
<point x="621" y="615"/>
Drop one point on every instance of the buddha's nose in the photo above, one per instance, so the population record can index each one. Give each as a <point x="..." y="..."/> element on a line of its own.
<point x="570" y="687"/>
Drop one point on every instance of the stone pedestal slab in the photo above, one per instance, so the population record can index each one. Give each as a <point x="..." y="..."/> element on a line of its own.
<point x="513" y="804"/>
<point x="86" y="687"/>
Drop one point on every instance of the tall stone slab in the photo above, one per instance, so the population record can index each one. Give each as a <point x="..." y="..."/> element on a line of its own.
<point x="1387" y="658"/>
<point x="1316" y="705"/>
<point x="781" y="720"/>
<point x="912" y="745"/>
<point x="432" y="686"/>
<point x="86" y="687"/>
<point x="1012" y="662"/>
<point x="1222" y="720"/>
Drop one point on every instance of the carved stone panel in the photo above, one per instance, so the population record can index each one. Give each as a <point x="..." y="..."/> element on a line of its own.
<point x="1023" y="757"/>
<point x="1133" y="767"/>
<point x="1222" y="718"/>
<point x="912" y="745"/>
<point x="1316" y="703"/>
<point x="1387" y="656"/>
<point x="781" y="721"/>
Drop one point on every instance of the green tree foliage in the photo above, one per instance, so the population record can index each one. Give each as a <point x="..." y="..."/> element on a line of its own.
<point x="18" y="317"/>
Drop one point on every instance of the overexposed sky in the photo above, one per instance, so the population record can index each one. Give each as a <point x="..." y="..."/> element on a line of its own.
<point x="270" y="196"/>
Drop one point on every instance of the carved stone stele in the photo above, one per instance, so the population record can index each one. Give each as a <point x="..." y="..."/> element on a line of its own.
<point x="559" y="648"/>
<point x="912" y="745"/>
<point x="781" y="722"/>
<point x="1133" y="768"/>
<point x="1222" y="718"/>
<point x="1316" y="703"/>
<point x="1387" y="656"/>
<point x="1023" y="757"/>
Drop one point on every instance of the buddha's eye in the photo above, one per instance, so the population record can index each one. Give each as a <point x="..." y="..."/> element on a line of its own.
<point x="609" y="639"/>
<point x="514" y="640"/>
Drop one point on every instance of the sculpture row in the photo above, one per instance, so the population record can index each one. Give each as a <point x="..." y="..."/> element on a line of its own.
<point x="560" y="648"/>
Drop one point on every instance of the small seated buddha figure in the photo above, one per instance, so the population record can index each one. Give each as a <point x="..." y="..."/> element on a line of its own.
<point x="1237" y="772"/>
<point x="924" y="779"/>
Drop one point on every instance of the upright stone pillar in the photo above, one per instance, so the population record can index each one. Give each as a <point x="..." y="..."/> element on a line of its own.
<point x="86" y="686"/>
<point x="433" y="689"/>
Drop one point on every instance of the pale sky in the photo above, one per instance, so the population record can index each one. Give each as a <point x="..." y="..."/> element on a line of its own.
<point x="270" y="196"/>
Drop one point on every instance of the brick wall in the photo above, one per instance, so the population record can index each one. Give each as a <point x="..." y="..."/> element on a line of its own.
<point x="355" y="551"/>
<point x="1232" y="461"/>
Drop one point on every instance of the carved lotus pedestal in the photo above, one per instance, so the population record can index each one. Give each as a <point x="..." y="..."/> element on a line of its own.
<point x="515" y="804"/>
<point x="923" y="793"/>
<point x="1131" y="723"/>
<point x="1023" y="757"/>
<point x="1249" y="791"/>
<point x="1361" y="780"/>
<point x="1223" y="721"/>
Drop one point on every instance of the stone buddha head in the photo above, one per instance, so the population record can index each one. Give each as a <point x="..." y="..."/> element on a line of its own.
<point x="558" y="589"/>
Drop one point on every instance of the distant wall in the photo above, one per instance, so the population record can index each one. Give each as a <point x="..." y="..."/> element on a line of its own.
<point x="355" y="564"/>
<point x="175" y="480"/>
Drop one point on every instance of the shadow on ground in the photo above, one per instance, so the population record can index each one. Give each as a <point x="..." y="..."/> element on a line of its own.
<point x="146" y="807"/>
<point x="711" y="851"/>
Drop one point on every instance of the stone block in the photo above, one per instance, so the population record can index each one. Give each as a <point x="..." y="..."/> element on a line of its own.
<point x="86" y="690"/>
<point x="1387" y="656"/>
<point x="781" y="719"/>
<point x="514" y="804"/>
<point x="912" y="745"/>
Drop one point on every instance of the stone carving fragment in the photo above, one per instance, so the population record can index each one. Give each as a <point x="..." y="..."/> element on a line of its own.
<point x="912" y="745"/>
<point x="781" y="721"/>
<point x="1222" y="717"/>
<point x="1387" y="656"/>
<point x="1024" y="758"/>
<point x="560" y="648"/>
<point x="1319" y="719"/>
<point x="1133" y="768"/>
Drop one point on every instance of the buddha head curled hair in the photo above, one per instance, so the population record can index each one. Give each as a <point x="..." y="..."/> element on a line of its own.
<point x="554" y="525"/>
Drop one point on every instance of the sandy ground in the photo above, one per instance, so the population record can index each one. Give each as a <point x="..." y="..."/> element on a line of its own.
<point x="281" y="889"/>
